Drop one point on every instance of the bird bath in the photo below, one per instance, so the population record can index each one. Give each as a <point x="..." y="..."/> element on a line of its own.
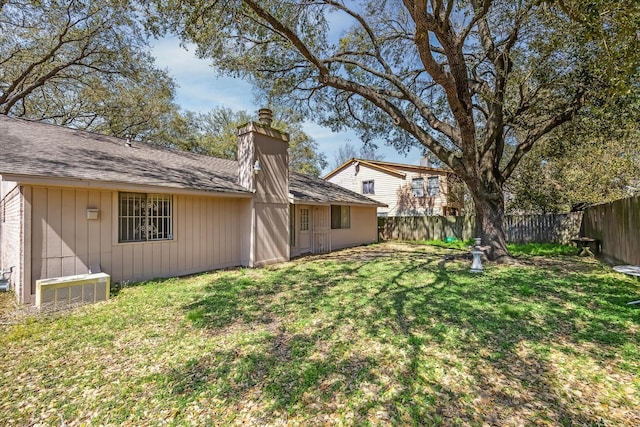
<point x="476" y="252"/>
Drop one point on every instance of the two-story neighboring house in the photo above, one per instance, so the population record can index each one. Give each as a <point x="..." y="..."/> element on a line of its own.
<point x="407" y="190"/>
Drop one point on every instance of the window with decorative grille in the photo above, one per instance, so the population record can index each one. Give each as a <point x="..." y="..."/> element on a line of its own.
<point x="145" y="217"/>
<point x="304" y="219"/>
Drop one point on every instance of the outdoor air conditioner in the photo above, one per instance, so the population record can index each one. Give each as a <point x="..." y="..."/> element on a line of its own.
<point x="68" y="291"/>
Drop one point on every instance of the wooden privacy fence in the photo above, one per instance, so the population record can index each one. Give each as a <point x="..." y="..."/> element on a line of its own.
<point x="554" y="228"/>
<point x="617" y="226"/>
<point x="549" y="228"/>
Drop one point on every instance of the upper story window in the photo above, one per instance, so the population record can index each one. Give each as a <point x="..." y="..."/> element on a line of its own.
<point x="145" y="217"/>
<point x="417" y="187"/>
<point x="367" y="187"/>
<point x="433" y="186"/>
<point x="340" y="217"/>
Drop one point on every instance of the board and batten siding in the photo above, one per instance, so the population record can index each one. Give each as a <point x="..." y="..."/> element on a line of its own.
<point x="208" y="233"/>
<point x="320" y="238"/>
<point x="390" y="189"/>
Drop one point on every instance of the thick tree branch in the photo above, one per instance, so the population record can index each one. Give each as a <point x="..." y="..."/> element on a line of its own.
<point x="546" y="127"/>
<point x="405" y="94"/>
<point x="480" y="11"/>
<point x="290" y="36"/>
<point x="349" y="86"/>
<point x="370" y="33"/>
<point x="397" y="116"/>
<point x="455" y="82"/>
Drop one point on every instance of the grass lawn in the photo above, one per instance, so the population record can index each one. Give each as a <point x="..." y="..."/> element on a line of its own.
<point x="387" y="334"/>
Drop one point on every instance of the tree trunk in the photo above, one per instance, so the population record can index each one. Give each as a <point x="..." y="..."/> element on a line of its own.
<point x="489" y="206"/>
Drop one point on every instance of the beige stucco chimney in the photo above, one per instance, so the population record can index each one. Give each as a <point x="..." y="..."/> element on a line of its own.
<point x="263" y="168"/>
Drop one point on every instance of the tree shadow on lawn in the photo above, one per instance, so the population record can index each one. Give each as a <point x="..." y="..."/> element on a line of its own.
<point x="505" y="326"/>
<point x="278" y="373"/>
<point x="393" y="336"/>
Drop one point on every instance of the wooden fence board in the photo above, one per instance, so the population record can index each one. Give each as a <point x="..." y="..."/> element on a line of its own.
<point x="617" y="226"/>
<point x="556" y="228"/>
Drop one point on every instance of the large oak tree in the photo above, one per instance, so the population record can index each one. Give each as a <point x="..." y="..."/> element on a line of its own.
<point x="476" y="82"/>
<point x="83" y="64"/>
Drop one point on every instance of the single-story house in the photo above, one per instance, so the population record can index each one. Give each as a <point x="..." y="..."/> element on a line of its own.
<point x="402" y="190"/>
<point x="74" y="202"/>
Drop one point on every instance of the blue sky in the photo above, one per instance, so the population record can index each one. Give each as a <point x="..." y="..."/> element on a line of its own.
<point x="200" y="89"/>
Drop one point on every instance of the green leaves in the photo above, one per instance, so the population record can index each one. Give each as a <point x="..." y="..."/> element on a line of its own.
<point x="215" y="133"/>
<point x="81" y="64"/>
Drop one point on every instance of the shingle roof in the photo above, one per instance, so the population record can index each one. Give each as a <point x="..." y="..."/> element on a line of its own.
<point x="44" y="150"/>
<point x="309" y="189"/>
<point x="39" y="149"/>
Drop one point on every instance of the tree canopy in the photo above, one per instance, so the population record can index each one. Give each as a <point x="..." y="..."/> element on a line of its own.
<point x="348" y="151"/>
<point x="86" y="64"/>
<point x="215" y="133"/>
<point x="83" y="64"/>
<point x="593" y="159"/>
<point x="475" y="82"/>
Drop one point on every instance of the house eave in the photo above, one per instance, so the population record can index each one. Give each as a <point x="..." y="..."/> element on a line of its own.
<point x="295" y="201"/>
<point x="120" y="186"/>
<point x="394" y="169"/>
<point x="366" y="163"/>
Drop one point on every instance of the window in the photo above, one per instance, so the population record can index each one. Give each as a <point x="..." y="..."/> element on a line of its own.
<point x="417" y="187"/>
<point x="340" y="217"/>
<point x="304" y="219"/>
<point x="433" y="186"/>
<point x="367" y="187"/>
<point x="143" y="217"/>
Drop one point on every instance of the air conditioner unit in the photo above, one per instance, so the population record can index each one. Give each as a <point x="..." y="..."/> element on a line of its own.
<point x="68" y="291"/>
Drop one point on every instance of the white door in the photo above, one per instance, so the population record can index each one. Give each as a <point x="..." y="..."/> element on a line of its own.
<point x="304" y="229"/>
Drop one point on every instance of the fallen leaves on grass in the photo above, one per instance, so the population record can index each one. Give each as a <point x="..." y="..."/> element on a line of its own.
<point x="377" y="335"/>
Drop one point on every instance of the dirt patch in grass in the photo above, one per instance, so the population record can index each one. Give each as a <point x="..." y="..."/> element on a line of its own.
<point x="7" y="306"/>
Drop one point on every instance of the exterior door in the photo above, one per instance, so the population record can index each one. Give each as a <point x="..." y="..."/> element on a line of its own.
<point x="321" y="229"/>
<point x="304" y="229"/>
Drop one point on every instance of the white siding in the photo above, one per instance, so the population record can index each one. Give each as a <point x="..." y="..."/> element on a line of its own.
<point x="385" y="186"/>
<point x="395" y="191"/>
<point x="11" y="244"/>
